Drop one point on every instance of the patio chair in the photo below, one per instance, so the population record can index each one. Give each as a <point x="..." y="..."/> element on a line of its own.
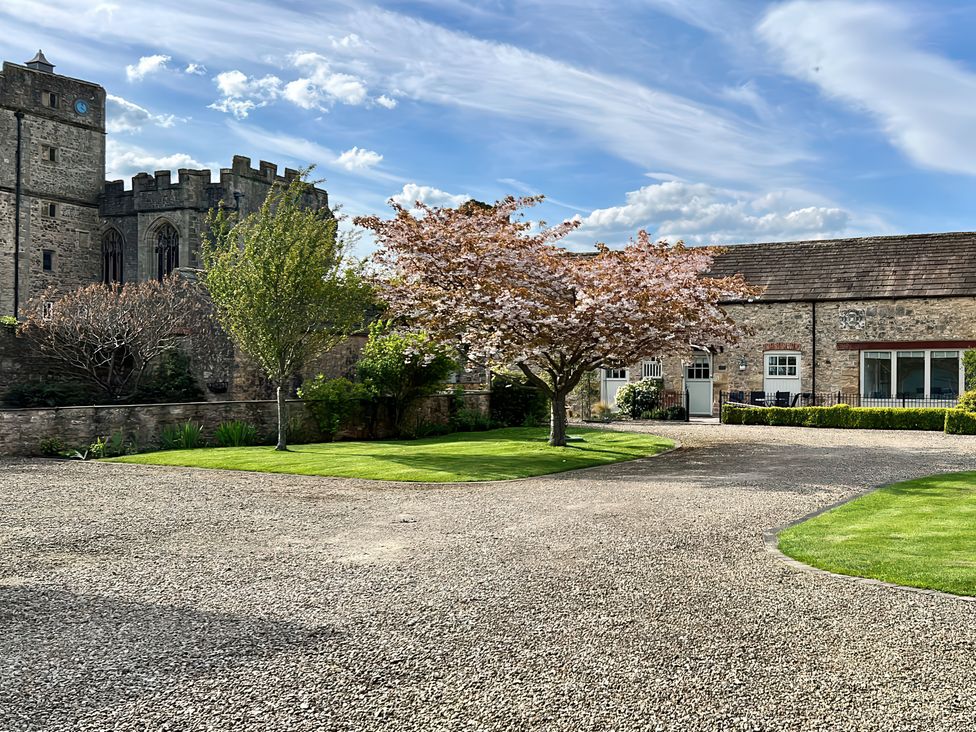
<point x="757" y="398"/>
<point x="739" y="397"/>
<point x="782" y="399"/>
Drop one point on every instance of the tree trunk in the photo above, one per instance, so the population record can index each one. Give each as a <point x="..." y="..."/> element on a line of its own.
<point x="557" y="421"/>
<point x="282" y="420"/>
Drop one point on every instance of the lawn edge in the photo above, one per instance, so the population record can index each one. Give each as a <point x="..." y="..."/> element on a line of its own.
<point x="380" y="483"/>
<point x="771" y="543"/>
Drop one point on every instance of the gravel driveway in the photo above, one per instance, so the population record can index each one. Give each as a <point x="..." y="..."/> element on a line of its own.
<point x="630" y="597"/>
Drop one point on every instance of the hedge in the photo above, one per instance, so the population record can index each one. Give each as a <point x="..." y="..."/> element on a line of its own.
<point x="960" y="422"/>
<point x="843" y="416"/>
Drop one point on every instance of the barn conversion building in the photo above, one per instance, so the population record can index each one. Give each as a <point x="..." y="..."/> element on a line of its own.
<point x="885" y="319"/>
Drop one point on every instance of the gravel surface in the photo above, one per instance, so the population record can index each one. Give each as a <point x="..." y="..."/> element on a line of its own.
<point x="637" y="596"/>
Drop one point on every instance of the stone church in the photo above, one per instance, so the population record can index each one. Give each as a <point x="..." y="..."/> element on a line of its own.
<point x="62" y="224"/>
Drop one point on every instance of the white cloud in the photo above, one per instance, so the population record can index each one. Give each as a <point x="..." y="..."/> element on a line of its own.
<point x="703" y="214"/>
<point x="864" y="54"/>
<point x="358" y="158"/>
<point x="147" y="65"/>
<point x="240" y="94"/>
<point x="124" y="161"/>
<point x="385" y="101"/>
<point x="322" y="87"/>
<point x="350" y="41"/>
<point x="195" y="69"/>
<point x="428" y="195"/>
<point x="124" y="116"/>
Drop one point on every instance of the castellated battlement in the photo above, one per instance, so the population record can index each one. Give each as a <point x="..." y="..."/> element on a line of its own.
<point x="240" y="187"/>
<point x="158" y="191"/>
<point x="265" y="172"/>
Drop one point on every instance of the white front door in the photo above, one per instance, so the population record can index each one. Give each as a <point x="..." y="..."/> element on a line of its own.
<point x="613" y="379"/>
<point x="698" y="382"/>
<point x="782" y="373"/>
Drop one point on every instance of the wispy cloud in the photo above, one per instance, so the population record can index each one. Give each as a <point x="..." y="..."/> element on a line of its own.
<point x="408" y="58"/>
<point x="865" y="55"/>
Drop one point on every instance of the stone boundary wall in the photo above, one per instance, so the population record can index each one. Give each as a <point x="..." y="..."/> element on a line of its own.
<point x="23" y="430"/>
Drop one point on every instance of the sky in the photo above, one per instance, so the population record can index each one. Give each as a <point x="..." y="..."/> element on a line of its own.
<point x="711" y="121"/>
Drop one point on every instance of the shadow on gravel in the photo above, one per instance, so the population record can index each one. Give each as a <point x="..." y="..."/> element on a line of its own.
<point x="64" y="656"/>
<point x="770" y="467"/>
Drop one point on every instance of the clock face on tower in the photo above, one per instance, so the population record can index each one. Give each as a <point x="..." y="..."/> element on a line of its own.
<point x="81" y="106"/>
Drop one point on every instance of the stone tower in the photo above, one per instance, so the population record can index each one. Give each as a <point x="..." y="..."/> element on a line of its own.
<point x="52" y="148"/>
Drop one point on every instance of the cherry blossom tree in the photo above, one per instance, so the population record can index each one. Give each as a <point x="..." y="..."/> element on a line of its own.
<point x="484" y="279"/>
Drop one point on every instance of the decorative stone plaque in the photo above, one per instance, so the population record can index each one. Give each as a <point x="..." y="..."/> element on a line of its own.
<point x="851" y="319"/>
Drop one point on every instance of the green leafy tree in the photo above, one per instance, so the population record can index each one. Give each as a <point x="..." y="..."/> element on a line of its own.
<point x="283" y="285"/>
<point x="403" y="366"/>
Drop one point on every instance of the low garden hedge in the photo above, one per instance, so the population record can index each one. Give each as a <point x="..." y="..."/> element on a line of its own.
<point x="960" y="422"/>
<point x="847" y="417"/>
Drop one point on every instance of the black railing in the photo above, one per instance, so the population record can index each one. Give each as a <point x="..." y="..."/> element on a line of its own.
<point x="832" y="398"/>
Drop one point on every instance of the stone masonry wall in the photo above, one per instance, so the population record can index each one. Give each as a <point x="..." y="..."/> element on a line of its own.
<point x="23" y="430"/>
<point x="62" y="164"/>
<point x="783" y="326"/>
<point x="19" y="363"/>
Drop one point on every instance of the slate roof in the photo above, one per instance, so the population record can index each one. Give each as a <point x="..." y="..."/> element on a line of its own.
<point x="914" y="265"/>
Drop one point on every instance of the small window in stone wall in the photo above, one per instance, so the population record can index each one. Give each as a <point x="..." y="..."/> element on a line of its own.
<point x="651" y="369"/>
<point x="49" y="153"/>
<point x="50" y="99"/>
<point x="48" y="260"/>
<point x="50" y="210"/>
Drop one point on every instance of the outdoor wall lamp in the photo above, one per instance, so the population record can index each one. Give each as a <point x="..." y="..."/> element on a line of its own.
<point x="743" y="363"/>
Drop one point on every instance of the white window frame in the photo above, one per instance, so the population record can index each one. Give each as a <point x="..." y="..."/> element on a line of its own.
<point x="798" y="366"/>
<point x="652" y="368"/>
<point x="608" y="374"/>
<point x="699" y="362"/>
<point x="960" y="385"/>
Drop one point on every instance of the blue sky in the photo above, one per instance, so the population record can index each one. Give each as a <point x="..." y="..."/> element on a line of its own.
<point x="714" y="121"/>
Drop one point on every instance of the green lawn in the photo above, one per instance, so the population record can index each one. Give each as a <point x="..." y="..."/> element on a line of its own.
<point x="515" y="452"/>
<point x="921" y="533"/>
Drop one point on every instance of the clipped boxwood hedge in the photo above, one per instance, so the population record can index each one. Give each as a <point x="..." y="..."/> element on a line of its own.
<point x="842" y="416"/>
<point x="960" y="422"/>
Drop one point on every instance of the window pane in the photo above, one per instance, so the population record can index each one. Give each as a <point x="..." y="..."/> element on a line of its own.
<point x="877" y="374"/>
<point x="944" y="374"/>
<point x="911" y="374"/>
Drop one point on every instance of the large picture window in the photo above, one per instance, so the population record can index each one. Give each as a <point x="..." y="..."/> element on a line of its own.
<point x="920" y="374"/>
<point x="911" y="375"/>
<point x="944" y="373"/>
<point x="876" y="380"/>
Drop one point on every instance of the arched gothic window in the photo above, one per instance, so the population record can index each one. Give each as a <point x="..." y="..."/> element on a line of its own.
<point x="167" y="250"/>
<point x="112" y="246"/>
